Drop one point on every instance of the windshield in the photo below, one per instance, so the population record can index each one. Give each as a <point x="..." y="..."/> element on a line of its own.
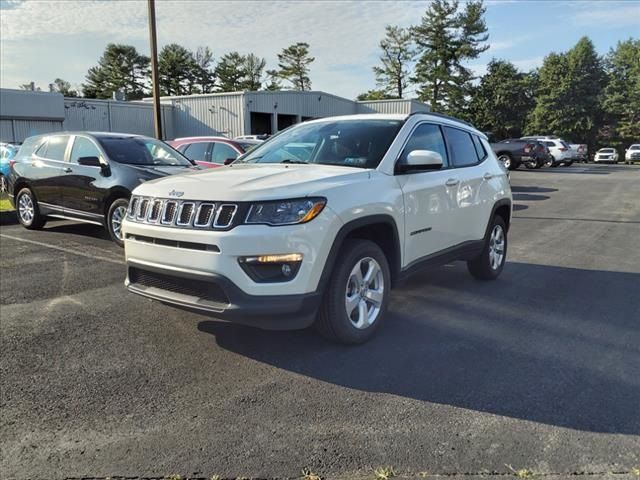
<point x="606" y="150"/>
<point x="142" y="151"/>
<point x="634" y="147"/>
<point x="246" y="146"/>
<point x="349" y="143"/>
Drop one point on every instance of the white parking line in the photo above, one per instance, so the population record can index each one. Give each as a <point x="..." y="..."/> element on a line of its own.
<point x="66" y="250"/>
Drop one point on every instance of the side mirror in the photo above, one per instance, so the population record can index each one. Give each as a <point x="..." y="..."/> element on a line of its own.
<point x="90" y="162"/>
<point x="228" y="161"/>
<point x="422" y="160"/>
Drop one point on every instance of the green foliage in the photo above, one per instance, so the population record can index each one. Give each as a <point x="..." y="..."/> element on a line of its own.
<point x="236" y="72"/>
<point x="397" y="55"/>
<point x="272" y="83"/>
<point x="63" y="87"/>
<point x="502" y="99"/>
<point x="293" y="65"/>
<point x="447" y="37"/>
<point x="621" y="98"/>
<point x="375" y="95"/>
<point x="203" y="75"/>
<point x="176" y="69"/>
<point x="121" y="67"/>
<point x="568" y="94"/>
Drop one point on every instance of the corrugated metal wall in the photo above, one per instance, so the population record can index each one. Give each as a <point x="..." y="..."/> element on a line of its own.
<point x="392" y="106"/>
<point x="214" y="114"/>
<point x="112" y="116"/>
<point x="18" y="130"/>
<point x="306" y="104"/>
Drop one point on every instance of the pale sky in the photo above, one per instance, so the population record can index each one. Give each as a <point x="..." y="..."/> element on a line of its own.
<point x="44" y="39"/>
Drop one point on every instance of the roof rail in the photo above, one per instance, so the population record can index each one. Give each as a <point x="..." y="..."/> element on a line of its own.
<point x="442" y="115"/>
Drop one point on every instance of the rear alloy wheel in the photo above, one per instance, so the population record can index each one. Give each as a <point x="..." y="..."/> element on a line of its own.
<point x="568" y="164"/>
<point x="507" y="161"/>
<point x="27" y="210"/>
<point x="115" y="218"/>
<point x="3" y="184"/>
<point x="357" y="294"/>
<point x="489" y="264"/>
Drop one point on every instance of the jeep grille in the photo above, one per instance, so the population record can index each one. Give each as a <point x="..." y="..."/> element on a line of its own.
<point x="182" y="213"/>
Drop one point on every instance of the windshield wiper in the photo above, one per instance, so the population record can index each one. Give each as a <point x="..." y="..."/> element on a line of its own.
<point x="288" y="160"/>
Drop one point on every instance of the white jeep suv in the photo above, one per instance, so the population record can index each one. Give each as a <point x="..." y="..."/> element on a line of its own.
<point x="317" y="224"/>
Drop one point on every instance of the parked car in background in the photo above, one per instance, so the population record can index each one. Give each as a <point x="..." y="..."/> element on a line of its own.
<point x="275" y="242"/>
<point x="262" y="137"/>
<point x="559" y="150"/>
<point x="514" y="152"/>
<point x="7" y="153"/>
<point x="579" y="152"/>
<point x="86" y="176"/>
<point x="212" y="152"/>
<point x="606" y="155"/>
<point x="632" y="154"/>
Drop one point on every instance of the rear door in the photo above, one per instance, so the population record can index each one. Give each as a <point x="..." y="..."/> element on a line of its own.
<point x="198" y="151"/>
<point x="47" y="163"/>
<point x="83" y="188"/>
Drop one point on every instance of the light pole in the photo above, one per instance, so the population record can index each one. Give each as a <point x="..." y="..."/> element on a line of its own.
<point x="157" y="122"/>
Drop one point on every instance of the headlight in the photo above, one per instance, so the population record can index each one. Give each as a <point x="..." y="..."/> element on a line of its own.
<point x="285" y="212"/>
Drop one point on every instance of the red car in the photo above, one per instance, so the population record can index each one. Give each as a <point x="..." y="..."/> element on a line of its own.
<point x="211" y="152"/>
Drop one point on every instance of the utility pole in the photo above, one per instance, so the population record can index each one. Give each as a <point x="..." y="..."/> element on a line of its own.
<point x="157" y="122"/>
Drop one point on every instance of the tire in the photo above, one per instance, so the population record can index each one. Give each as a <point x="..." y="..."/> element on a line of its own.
<point x="506" y="159"/>
<point x="540" y="163"/>
<point x="346" y="316"/>
<point x="489" y="264"/>
<point x="27" y="210"/>
<point x="115" y="216"/>
<point x="532" y="165"/>
<point x="568" y="164"/>
<point x="554" y="164"/>
<point x="3" y="184"/>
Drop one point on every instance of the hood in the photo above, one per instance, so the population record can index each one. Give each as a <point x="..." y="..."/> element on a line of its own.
<point x="253" y="182"/>
<point x="156" y="171"/>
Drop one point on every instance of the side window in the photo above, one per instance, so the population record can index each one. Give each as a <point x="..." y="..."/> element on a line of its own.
<point x="426" y="136"/>
<point x="463" y="152"/>
<point x="482" y="153"/>
<point x="41" y="151"/>
<point x="56" y="147"/>
<point x="197" y="151"/>
<point x="222" y="152"/>
<point x="83" y="147"/>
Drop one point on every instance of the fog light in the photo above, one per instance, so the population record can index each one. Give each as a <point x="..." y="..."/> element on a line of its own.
<point x="271" y="268"/>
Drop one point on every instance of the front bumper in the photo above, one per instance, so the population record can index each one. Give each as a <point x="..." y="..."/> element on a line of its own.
<point x="219" y="297"/>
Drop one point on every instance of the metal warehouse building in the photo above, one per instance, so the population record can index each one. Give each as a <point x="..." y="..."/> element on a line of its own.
<point x="26" y="113"/>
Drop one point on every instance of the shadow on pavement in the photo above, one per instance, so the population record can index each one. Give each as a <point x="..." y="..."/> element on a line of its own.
<point x="532" y="189"/>
<point x="519" y="206"/>
<point x="530" y="197"/>
<point x="77" y="228"/>
<point x="537" y="345"/>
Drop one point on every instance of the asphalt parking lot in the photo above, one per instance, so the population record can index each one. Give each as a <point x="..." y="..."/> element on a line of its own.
<point x="538" y="370"/>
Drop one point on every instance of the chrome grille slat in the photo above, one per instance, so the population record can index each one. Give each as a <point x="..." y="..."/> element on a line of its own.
<point x="182" y="213"/>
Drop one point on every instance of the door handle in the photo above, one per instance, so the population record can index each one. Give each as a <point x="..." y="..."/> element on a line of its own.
<point x="67" y="170"/>
<point x="487" y="176"/>
<point x="452" y="182"/>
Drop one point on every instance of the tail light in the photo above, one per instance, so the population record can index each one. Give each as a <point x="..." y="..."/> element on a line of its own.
<point x="528" y="147"/>
<point x="562" y="149"/>
<point x="11" y="163"/>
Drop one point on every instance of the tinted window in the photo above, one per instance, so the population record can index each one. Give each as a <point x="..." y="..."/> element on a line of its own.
<point x="197" y="151"/>
<point x="349" y="143"/>
<point x="142" y="151"/>
<point x="83" y="147"/>
<point x="482" y="153"/>
<point x="56" y="147"/>
<point x="426" y="137"/>
<point x="222" y="152"/>
<point x="550" y="144"/>
<point x="463" y="153"/>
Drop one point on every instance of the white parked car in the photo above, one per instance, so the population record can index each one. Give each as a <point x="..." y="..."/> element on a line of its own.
<point x="607" y="155"/>
<point x="632" y="154"/>
<point x="561" y="153"/>
<point x="285" y="237"/>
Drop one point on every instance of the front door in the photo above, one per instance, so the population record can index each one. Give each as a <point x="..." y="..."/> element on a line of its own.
<point x="429" y="212"/>
<point x="83" y="187"/>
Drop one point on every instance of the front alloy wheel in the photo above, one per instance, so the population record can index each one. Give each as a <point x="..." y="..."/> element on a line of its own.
<point x="506" y="160"/>
<point x="364" y="293"/>
<point x="496" y="247"/>
<point x="356" y="295"/>
<point x="116" y="215"/>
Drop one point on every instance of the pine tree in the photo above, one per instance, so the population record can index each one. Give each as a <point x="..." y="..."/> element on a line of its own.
<point x="63" y="87"/>
<point x="121" y="68"/>
<point x="252" y="67"/>
<point x="202" y="74"/>
<point x="397" y="55"/>
<point x="446" y="38"/>
<point x="502" y="99"/>
<point x="621" y="99"/>
<point x="176" y="66"/>
<point x="230" y="72"/>
<point x="293" y="64"/>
